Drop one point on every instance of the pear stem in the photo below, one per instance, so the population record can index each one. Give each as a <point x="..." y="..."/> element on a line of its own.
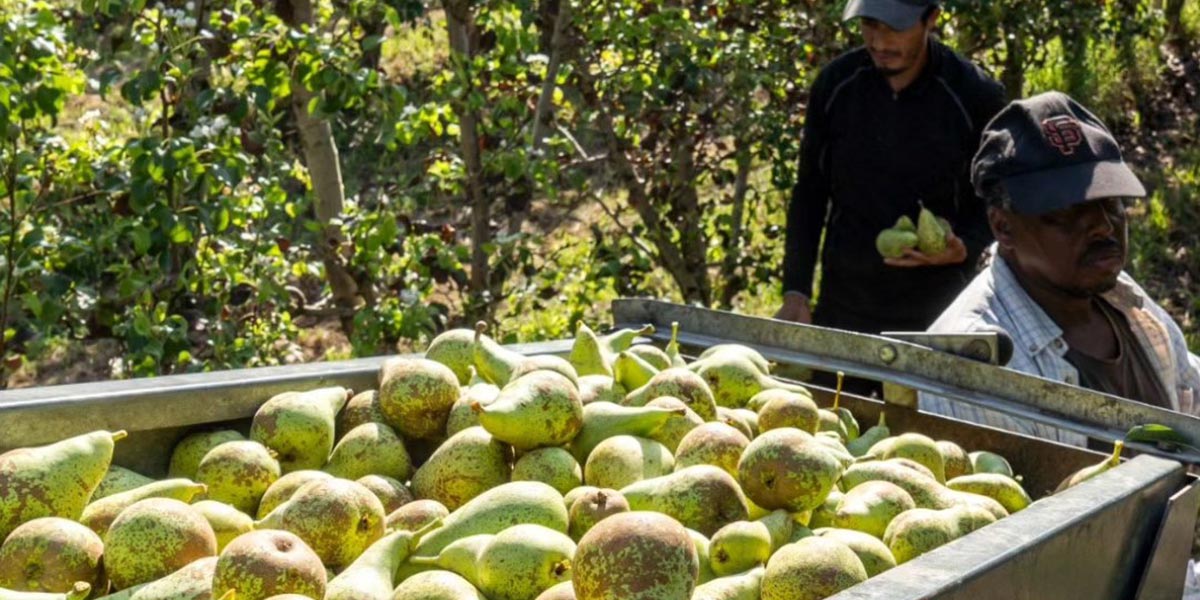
<point x="119" y="435"/>
<point x="837" y="395"/>
<point x="882" y="417"/>
<point x="476" y="407"/>
<point x="426" y="529"/>
<point x="646" y="329"/>
<point x="1118" y="446"/>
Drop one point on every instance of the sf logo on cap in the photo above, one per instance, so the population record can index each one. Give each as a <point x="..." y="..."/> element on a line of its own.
<point x="1063" y="133"/>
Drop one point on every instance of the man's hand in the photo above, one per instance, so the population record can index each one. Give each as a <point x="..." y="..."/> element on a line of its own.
<point x="795" y="309"/>
<point x="955" y="253"/>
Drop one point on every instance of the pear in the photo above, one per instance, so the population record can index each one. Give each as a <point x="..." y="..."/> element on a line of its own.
<point x="54" y="480"/>
<point x="739" y="547"/>
<point x="921" y="449"/>
<point x="369" y="449"/>
<point x="100" y="514"/>
<point x="50" y="554"/>
<point x="461" y="557"/>
<point x="672" y="349"/>
<point x="494" y="362"/>
<point x="462" y="415"/>
<point x="1001" y="488"/>
<point x="904" y="223"/>
<point x="189" y="451"/>
<point x="622" y="339"/>
<point x="370" y="576"/>
<point x="780" y="525"/>
<point x="593" y="507"/>
<point x="391" y="493"/>
<point x="745" y="421"/>
<point x="874" y="554"/>
<point x="415" y="396"/>
<point x="749" y="353"/>
<point x="863" y="443"/>
<point x="192" y="582"/>
<point x="652" y="355"/>
<point x="238" y="474"/>
<point x="870" y="506"/>
<point x="703" y="497"/>
<point x="631" y="372"/>
<point x="79" y="591"/>
<point x="734" y="379"/>
<point x="226" y="521"/>
<point x="283" y="488"/>
<point x="337" y="518"/>
<point x="261" y="564"/>
<point x="787" y="468"/>
<point x="833" y="445"/>
<point x="463" y="467"/>
<point x="912" y="477"/>
<point x="989" y="462"/>
<point x="849" y="428"/>
<point x="416" y="514"/>
<point x="957" y="462"/>
<point x="679" y="383"/>
<point x="153" y="538"/>
<point x="712" y="443"/>
<point x="496" y="509"/>
<point x="635" y="556"/>
<point x="920" y="530"/>
<point x="570" y="497"/>
<point x="454" y="348"/>
<point x="891" y="243"/>
<point x="360" y="409"/>
<point x="299" y="426"/>
<point x="976" y="501"/>
<point x="437" y="585"/>
<point x="671" y="432"/>
<point x="600" y="388"/>
<point x="554" y="466"/>
<point x="603" y="420"/>
<point x="829" y="421"/>
<point x="705" y="573"/>
<point x="118" y="479"/>
<point x="1089" y="472"/>
<point x="785" y="408"/>
<point x="744" y="586"/>
<point x="546" y="362"/>
<point x="625" y="459"/>
<point x="811" y="569"/>
<point x="559" y="591"/>
<point x="823" y="515"/>
<point x="931" y="237"/>
<point x="522" y="561"/>
<point x="534" y="411"/>
<point x="588" y="355"/>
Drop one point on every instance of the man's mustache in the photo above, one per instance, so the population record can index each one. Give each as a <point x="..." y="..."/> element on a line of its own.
<point x="1102" y="249"/>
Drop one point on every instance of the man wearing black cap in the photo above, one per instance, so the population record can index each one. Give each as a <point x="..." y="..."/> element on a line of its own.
<point x="1057" y="189"/>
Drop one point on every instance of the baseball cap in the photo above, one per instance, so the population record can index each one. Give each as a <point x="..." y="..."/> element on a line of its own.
<point x="1047" y="153"/>
<point x="897" y="14"/>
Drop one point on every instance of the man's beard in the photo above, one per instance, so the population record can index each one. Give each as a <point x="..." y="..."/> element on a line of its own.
<point x="886" y="72"/>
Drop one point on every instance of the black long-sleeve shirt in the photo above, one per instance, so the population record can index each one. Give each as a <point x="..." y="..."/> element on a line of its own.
<point x="870" y="155"/>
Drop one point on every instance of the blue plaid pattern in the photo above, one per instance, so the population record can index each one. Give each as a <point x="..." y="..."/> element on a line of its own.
<point x="995" y="301"/>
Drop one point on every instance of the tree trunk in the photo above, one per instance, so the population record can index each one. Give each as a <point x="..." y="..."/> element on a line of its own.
<point x="1014" y="64"/>
<point x="1176" y="32"/>
<point x="321" y="158"/>
<point x="731" y="282"/>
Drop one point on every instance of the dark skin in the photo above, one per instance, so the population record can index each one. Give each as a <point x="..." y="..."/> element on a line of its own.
<point x="1065" y="259"/>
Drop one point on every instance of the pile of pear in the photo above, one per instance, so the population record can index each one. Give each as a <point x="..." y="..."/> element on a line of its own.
<point x="621" y="472"/>
<point x="928" y="235"/>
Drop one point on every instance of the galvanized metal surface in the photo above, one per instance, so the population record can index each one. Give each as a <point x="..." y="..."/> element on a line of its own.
<point x="1087" y="543"/>
<point x="1069" y="407"/>
<point x="1164" y="575"/>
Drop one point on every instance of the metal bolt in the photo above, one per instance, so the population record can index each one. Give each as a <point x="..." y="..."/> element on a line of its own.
<point x="887" y="354"/>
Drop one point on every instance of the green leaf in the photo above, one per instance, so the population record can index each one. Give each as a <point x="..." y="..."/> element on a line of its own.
<point x="180" y="234"/>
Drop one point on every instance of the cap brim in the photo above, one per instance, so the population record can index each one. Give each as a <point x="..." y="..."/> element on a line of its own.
<point x="1046" y="191"/>
<point x="897" y="15"/>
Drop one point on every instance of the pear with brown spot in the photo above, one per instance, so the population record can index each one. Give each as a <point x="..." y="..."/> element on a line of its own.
<point x="337" y="518"/>
<point x="49" y="555"/>
<point x="299" y="426"/>
<point x="261" y="564"/>
<point x="152" y="539"/>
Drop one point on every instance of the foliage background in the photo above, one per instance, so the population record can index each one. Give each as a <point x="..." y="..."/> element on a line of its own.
<point x="164" y="205"/>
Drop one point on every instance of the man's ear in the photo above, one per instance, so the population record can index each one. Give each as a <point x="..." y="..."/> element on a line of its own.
<point x="1001" y="224"/>
<point x="931" y="19"/>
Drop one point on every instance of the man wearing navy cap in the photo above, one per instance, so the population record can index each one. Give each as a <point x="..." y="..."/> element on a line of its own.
<point x="889" y="127"/>
<point x="1057" y="189"/>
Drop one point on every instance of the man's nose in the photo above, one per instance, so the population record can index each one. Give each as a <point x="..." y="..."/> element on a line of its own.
<point x="1100" y="221"/>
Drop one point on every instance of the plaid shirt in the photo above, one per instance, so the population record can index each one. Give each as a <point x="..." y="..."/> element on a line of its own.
<point x="995" y="301"/>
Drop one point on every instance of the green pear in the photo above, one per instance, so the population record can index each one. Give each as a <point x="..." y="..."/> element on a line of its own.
<point x="437" y="585"/>
<point x="415" y="396"/>
<point x="570" y="497"/>
<point x="743" y="586"/>
<point x="712" y="443"/>
<point x="876" y="433"/>
<point x="870" y="506"/>
<point x="391" y="492"/>
<point x="496" y="509"/>
<point x="603" y="420"/>
<point x="912" y="477"/>
<point x="416" y="514"/>
<point x="787" y="468"/>
<point x="976" y="501"/>
<point x="299" y="426"/>
<point x="189" y="451"/>
<point x="822" y="516"/>
<point x="921" y="449"/>
<point x="931" y="237"/>
<point x="261" y="564"/>
<point x="362" y="408"/>
<point x="677" y="425"/>
<point x="745" y="421"/>
<point x="811" y="569"/>
<point x="989" y="462"/>
<point x="625" y="459"/>
<point x="494" y="362"/>
<point x="454" y="348"/>
<point x="100" y="514"/>
<point x="283" y="488"/>
<point x="54" y="480"/>
<point x="631" y="371"/>
<point x="635" y="556"/>
<point x="588" y="355"/>
<point x="780" y="525"/>
<point x="600" y="388"/>
<point x="734" y="379"/>
<point x="522" y="561"/>
<point x="554" y="466"/>
<point x="593" y="507"/>
<point x="79" y="591"/>
<point x="891" y="243"/>
<point x="1001" y="488"/>
<point x="371" y="575"/>
<point x="238" y="474"/>
<point x="534" y="411"/>
<point x="957" y="462"/>
<point x="153" y="538"/>
<point x="703" y="497"/>
<point x="50" y="554"/>
<point x="461" y="557"/>
<point x="463" y="467"/>
<point x="462" y="415"/>
<point x="226" y="521"/>
<point x="672" y="349"/>
<point x="904" y="223"/>
<point x="738" y="547"/>
<point x="876" y="557"/>
<point x="369" y="449"/>
<point x="192" y="582"/>
<point x="559" y="591"/>
<point x="546" y="362"/>
<point x="705" y="573"/>
<point x="747" y="352"/>
<point x="920" y="530"/>
<point x="652" y="355"/>
<point x="622" y="339"/>
<point x="118" y="479"/>
<point x="1089" y="472"/>
<point x="679" y="383"/>
<point x="833" y="445"/>
<point x="831" y="422"/>
<point x="337" y="518"/>
<point x="786" y="408"/>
